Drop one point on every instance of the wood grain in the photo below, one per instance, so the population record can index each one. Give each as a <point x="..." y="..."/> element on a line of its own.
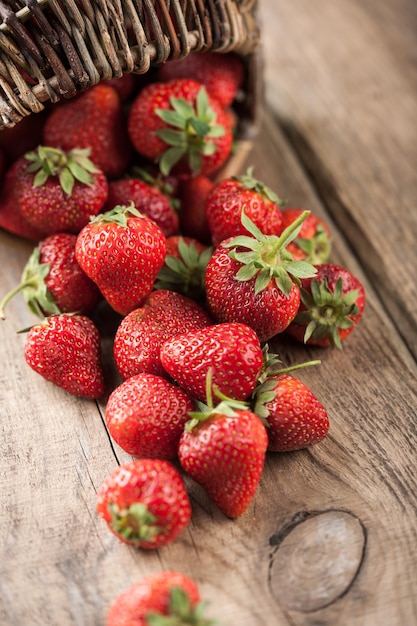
<point x="343" y="85"/>
<point x="331" y="536"/>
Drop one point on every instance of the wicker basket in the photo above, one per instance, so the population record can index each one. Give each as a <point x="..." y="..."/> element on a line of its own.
<point x="53" y="49"/>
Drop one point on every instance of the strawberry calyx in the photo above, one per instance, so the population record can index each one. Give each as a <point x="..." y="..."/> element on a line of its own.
<point x="191" y="133"/>
<point x="185" y="274"/>
<point x="134" y="523"/>
<point x="249" y="182"/>
<point x="119" y="214"/>
<point x="267" y="256"/>
<point x="33" y="288"/>
<point x="226" y="406"/>
<point x="317" y="249"/>
<point x="180" y="612"/>
<point x="266" y="388"/>
<point x="68" y="167"/>
<point x="327" y="312"/>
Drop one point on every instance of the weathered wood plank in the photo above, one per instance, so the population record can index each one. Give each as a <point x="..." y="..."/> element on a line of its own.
<point x="341" y="78"/>
<point x="60" y="565"/>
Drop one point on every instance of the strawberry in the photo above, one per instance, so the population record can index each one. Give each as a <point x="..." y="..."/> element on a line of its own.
<point x="65" y="350"/>
<point x="331" y="306"/>
<point x="294" y="417"/>
<point x="146" y="416"/>
<point x="148" y="199"/>
<point x="230" y="196"/>
<point x="232" y="353"/>
<point x="142" y="332"/>
<point x="252" y="280"/>
<point x="144" y="503"/>
<point x="177" y="124"/>
<point x="122" y="251"/>
<point x="57" y="191"/>
<point x="184" y="267"/>
<point x="53" y="282"/>
<point x="11" y="216"/>
<point x="193" y="218"/>
<point x="167" y="597"/>
<point x="223" y="450"/>
<point x="313" y="241"/>
<point x="222" y="76"/>
<point x="94" y="120"/>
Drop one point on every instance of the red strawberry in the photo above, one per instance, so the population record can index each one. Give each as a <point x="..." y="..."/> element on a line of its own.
<point x="223" y="450"/>
<point x="144" y="503"/>
<point x="146" y="416"/>
<point x="230" y="196"/>
<point x="148" y="199"/>
<point x="184" y="267"/>
<point x="11" y="216"/>
<point x="122" y="251"/>
<point x="295" y="418"/>
<point x="65" y="350"/>
<point x="94" y="120"/>
<point x="232" y="353"/>
<point x="193" y="218"/>
<point x="58" y="192"/>
<point x="252" y="280"/>
<point x="141" y="334"/>
<point x="222" y="75"/>
<point x="53" y="282"/>
<point x="177" y="124"/>
<point x="147" y="601"/>
<point x="331" y="306"/>
<point x="312" y="243"/>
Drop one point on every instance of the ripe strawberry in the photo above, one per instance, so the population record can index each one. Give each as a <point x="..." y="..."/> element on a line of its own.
<point x="232" y="353"/>
<point x="11" y="217"/>
<point x="252" y="280"/>
<point x="57" y="191"/>
<point x="146" y="416"/>
<point x="122" y="251"/>
<point x="142" y="332"/>
<point x="53" y="282"/>
<point x="148" y="199"/>
<point x="184" y="267"/>
<point x="167" y="593"/>
<point x="223" y="450"/>
<point x="193" y="218"/>
<point x="230" y="196"/>
<point x="177" y="124"/>
<point x="313" y="241"/>
<point x="94" y="120"/>
<point x="331" y="306"/>
<point x="222" y="75"/>
<point x="144" y="503"/>
<point x="294" y="417"/>
<point x="65" y="350"/>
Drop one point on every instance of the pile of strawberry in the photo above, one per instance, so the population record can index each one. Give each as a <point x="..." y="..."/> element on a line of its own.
<point x="118" y="189"/>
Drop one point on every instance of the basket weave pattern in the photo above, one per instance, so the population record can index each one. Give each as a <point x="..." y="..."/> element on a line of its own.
<point x="52" y="49"/>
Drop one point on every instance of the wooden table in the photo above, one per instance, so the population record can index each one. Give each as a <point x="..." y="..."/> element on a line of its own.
<point x="331" y="536"/>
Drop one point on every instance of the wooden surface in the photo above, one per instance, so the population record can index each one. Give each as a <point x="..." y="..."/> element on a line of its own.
<point x="331" y="536"/>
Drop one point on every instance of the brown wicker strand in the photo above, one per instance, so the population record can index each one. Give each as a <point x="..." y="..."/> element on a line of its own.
<point x="53" y="49"/>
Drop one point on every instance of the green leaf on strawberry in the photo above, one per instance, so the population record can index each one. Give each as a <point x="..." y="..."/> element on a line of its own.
<point x="192" y="129"/>
<point x="180" y="612"/>
<point x="267" y="257"/>
<point x="68" y="167"/>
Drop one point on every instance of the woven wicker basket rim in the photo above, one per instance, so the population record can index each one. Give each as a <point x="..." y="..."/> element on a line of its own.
<point x="51" y="49"/>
